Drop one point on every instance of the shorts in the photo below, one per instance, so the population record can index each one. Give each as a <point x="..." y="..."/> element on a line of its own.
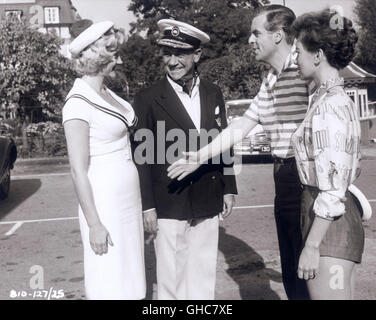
<point x="345" y="236"/>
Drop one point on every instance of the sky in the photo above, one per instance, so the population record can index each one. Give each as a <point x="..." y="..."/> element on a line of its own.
<point x="116" y="10"/>
<point x="100" y="10"/>
<point x="302" y="6"/>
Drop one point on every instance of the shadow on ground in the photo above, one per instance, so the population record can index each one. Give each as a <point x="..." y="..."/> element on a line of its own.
<point x="247" y="268"/>
<point x="150" y="265"/>
<point x="20" y="190"/>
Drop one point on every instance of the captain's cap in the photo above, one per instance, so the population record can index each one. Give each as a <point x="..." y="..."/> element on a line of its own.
<point x="180" y="35"/>
<point x="89" y="36"/>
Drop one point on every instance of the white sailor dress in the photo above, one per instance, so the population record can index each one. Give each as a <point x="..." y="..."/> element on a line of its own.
<point x="119" y="274"/>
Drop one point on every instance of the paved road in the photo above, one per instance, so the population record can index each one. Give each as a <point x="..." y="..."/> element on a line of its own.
<point x="39" y="232"/>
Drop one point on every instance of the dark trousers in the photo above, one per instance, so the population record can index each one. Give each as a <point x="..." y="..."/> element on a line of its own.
<point x="288" y="192"/>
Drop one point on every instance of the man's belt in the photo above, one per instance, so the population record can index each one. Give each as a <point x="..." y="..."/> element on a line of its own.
<point x="283" y="160"/>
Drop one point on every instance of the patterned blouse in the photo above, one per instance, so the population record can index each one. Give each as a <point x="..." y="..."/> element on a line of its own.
<point x="327" y="147"/>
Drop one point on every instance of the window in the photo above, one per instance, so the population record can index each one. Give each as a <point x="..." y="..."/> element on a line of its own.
<point x="372" y="109"/>
<point x="51" y="15"/>
<point x="10" y="14"/>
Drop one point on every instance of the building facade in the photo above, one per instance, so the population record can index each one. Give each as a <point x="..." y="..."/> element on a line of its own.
<point x="54" y="16"/>
<point x="359" y="85"/>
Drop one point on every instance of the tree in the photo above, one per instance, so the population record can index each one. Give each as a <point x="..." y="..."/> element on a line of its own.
<point x="226" y="58"/>
<point x="141" y="66"/>
<point x="366" y="12"/>
<point x="148" y="12"/>
<point x="33" y="73"/>
<point x="238" y="74"/>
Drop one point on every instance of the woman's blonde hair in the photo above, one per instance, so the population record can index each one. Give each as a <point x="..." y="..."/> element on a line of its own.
<point x="94" y="59"/>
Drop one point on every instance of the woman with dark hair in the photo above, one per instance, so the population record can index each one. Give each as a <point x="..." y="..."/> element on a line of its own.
<point x="96" y="123"/>
<point x="327" y="153"/>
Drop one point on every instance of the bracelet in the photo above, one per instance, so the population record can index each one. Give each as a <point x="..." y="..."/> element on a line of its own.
<point x="325" y="218"/>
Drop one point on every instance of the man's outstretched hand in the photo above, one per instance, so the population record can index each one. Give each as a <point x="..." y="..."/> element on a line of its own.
<point x="184" y="166"/>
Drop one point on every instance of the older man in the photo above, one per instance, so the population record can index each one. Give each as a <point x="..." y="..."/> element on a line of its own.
<point x="280" y="106"/>
<point x="183" y="215"/>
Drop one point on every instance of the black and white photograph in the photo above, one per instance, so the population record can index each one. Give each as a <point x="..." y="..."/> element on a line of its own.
<point x="204" y="151"/>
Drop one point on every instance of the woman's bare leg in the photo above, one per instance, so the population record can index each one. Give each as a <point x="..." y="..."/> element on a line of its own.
<point x="335" y="280"/>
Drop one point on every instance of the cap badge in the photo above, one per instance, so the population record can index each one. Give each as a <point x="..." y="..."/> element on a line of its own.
<point x="175" y="31"/>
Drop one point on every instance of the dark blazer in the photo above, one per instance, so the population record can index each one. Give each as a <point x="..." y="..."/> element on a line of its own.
<point x="200" y="194"/>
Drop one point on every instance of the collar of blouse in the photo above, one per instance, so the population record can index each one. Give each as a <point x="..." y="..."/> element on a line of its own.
<point x="326" y="86"/>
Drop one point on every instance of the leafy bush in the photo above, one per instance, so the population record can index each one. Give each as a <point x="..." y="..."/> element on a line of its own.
<point x="33" y="73"/>
<point x="44" y="139"/>
<point x="366" y="12"/>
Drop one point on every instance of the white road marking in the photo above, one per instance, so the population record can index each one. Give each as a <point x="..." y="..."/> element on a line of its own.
<point x="271" y="205"/>
<point x="30" y="176"/>
<point x="38" y="220"/>
<point x="255" y="207"/>
<point x="19" y="223"/>
<point x="14" y="228"/>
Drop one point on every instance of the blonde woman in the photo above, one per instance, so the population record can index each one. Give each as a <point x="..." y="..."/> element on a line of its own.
<point x="96" y="123"/>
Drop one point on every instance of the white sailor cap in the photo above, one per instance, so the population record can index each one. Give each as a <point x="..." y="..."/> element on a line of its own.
<point x="89" y="36"/>
<point x="180" y="35"/>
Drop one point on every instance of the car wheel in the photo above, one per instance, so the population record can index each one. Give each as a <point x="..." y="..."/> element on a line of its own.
<point x="5" y="184"/>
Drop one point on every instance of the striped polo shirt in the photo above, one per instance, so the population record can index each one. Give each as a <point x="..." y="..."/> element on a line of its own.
<point x="280" y="105"/>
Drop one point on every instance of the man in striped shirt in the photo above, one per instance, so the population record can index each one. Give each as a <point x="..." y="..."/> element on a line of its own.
<point x="280" y="106"/>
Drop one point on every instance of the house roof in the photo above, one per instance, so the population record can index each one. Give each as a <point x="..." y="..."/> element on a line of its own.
<point x="353" y="74"/>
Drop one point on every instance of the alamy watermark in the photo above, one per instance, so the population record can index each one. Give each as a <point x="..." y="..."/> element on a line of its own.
<point x="151" y="148"/>
<point x="337" y="21"/>
<point x="336" y="281"/>
<point x="37" y="289"/>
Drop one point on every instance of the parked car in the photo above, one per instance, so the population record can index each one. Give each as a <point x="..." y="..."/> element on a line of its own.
<point x="257" y="141"/>
<point x="8" y="156"/>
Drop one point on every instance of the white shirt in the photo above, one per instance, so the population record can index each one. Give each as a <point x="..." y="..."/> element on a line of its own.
<point x="191" y="103"/>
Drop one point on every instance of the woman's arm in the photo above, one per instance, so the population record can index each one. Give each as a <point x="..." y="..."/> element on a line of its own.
<point x="310" y="256"/>
<point x="77" y="136"/>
